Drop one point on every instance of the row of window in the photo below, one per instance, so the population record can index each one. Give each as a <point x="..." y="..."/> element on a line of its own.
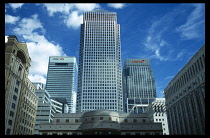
<point x="99" y="102"/>
<point x="191" y="109"/>
<point x="192" y="71"/>
<point x="102" y="118"/>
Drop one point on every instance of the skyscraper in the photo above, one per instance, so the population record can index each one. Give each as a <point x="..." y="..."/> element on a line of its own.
<point x="138" y="84"/>
<point x="61" y="77"/>
<point x="99" y="81"/>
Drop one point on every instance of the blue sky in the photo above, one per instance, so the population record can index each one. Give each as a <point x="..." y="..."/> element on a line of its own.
<point x="168" y="34"/>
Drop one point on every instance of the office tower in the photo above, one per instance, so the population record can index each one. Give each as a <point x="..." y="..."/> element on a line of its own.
<point x="20" y="99"/>
<point x="99" y="81"/>
<point x="138" y="84"/>
<point x="61" y="77"/>
<point x="185" y="98"/>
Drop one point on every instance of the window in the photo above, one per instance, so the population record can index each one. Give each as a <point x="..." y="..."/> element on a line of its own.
<point x="16" y="90"/>
<point x="125" y="120"/>
<point x="110" y="119"/>
<point x="57" y="120"/>
<point x="17" y="82"/>
<point x="8" y="131"/>
<point x="67" y="120"/>
<point x="101" y="118"/>
<point x="135" y="120"/>
<point x="92" y="118"/>
<point x="11" y="113"/>
<point x="10" y="122"/>
<point x="144" y="120"/>
<point x="13" y="105"/>
<point x="14" y="97"/>
<point x="76" y="120"/>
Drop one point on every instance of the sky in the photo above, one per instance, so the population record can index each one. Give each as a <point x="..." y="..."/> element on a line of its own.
<point x="168" y="34"/>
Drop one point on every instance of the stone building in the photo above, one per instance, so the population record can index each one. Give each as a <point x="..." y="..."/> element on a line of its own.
<point x="100" y="122"/>
<point x="20" y="98"/>
<point x="185" y="98"/>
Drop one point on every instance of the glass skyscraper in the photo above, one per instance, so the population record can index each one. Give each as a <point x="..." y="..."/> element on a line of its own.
<point x="99" y="80"/>
<point x="61" y="79"/>
<point x="138" y="85"/>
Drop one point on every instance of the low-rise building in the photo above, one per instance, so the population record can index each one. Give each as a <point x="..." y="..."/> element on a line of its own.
<point x="101" y="122"/>
<point x="157" y="113"/>
<point x="46" y="106"/>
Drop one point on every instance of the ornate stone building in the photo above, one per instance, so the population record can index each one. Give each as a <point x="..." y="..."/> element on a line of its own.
<point x="20" y="98"/>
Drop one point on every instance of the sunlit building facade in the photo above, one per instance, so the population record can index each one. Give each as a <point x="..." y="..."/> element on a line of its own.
<point x="61" y="79"/>
<point x="20" y="98"/>
<point x="99" y="81"/>
<point x="138" y="85"/>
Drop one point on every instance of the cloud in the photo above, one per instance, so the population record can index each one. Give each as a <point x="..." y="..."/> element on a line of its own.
<point x="191" y="28"/>
<point x="16" y="5"/>
<point x="11" y="19"/>
<point x="39" y="47"/>
<point x="158" y="41"/>
<point x="116" y="5"/>
<point x="83" y="7"/>
<point x="27" y="25"/>
<point x="169" y="77"/>
<point x="73" y="20"/>
<point x="179" y="55"/>
<point x="71" y="13"/>
<point x="58" y="7"/>
<point x="37" y="78"/>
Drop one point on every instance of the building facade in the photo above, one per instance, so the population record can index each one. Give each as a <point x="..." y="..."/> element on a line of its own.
<point x="138" y="84"/>
<point x="99" y="80"/>
<point x="45" y="110"/>
<point x="20" y="98"/>
<point x="185" y="98"/>
<point x="61" y="79"/>
<point x="157" y="113"/>
<point x="101" y="122"/>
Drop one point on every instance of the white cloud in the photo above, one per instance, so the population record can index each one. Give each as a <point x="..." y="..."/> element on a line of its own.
<point x="73" y="20"/>
<point x="37" y="78"/>
<point x="11" y="19"/>
<point x="57" y="7"/>
<point x="71" y="13"/>
<point x="169" y="77"/>
<point x="155" y="40"/>
<point x="116" y="5"/>
<point x="191" y="29"/>
<point x="16" y="5"/>
<point x="27" y="25"/>
<point x="39" y="47"/>
<point x="83" y="7"/>
<point x="179" y="55"/>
